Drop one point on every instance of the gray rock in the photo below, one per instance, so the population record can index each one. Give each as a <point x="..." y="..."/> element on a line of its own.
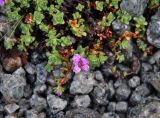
<point x="42" y="115"/>
<point x="100" y="93"/>
<point x="24" y="104"/>
<point x="134" y="7"/>
<point x="119" y="82"/>
<point x="136" y="98"/>
<point x="38" y="103"/>
<point x="28" y="91"/>
<point x="155" y="58"/>
<point x="143" y="90"/>
<point x="122" y="92"/>
<point x="111" y="89"/>
<point x="110" y="115"/>
<point x="82" y="113"/>
<point x="82" y="83"/>
<point x="145" y="110"/>
<point x="153" y="78"/>
<point x="146" y="67"/>
<point x="41" y="74"/>
<point x="121" y="107"/>
<point x="30" y="68"/>
<point x="11" y="108"/>
<point x="10" y="116"/>
<point x="1" y="108"/>
<point x="56" y="103"/>
<point x="153" y="30"/>
<point x="31" y="78"/>
<point x="12" y="87"/>
<point x="40" y="89"/>
<point x="119" y="28"/>
<point x="31" y="114"/>
<point x="134" y="82"/>
<point x="99" y="76"/>
<point x="58" y="115"/>
<point x="21" y="113"/>
<point x="20" y="71"/>
<point x="82" y="101"/>
<point x="111" y="106"/>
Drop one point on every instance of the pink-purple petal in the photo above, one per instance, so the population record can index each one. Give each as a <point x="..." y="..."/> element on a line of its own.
<point x="76" y="69"/>
<point x="76" y="58"/>
<point x="84" y="61"/>
<point x="2" y="2"/>
<point x="85" y="67"/>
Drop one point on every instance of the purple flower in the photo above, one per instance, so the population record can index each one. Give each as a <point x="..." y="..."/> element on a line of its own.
<point x="80" y="63"/>
<point x="2" y="2"/>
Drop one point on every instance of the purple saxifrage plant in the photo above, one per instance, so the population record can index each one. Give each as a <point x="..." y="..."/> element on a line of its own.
<point x="2" y="2"/>
<point x="80" y="63"/>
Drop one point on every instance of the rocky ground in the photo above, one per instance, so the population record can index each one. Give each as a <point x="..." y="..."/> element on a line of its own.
<point x="27" y="91"/>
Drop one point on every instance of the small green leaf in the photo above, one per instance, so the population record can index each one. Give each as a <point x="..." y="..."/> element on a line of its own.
<point x="99" y="5"/>
<point x="38" y="17"/>
<point x="80" y="7"/>
<point x="58" y="18"/>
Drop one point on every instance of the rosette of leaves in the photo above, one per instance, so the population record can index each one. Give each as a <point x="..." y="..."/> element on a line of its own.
<point x="96" y="58"/>
<point x="80" y="7"/>
<point x="114" y="3"/>
<point x="107" y="20"/>
<point x="54" y="58"/>
<point x="40" y="4"/>
<point x="77" y="25"/>
<point x="58" y="18"/>
<point x="99" y="5"/>
<point x="140" y="23"/>
<point x="38" y="17"/>
<point x="124" y="16"/>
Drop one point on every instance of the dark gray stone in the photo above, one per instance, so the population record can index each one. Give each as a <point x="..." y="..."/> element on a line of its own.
<point x="30" y="68"/>
<point x="143" y="90"/>
<point x="41" y="74"/>
<point x="42" y="115"/>
<point x="31" y="114"/>
<point x="20" y="71"/>
<point x="134" y="7"/>
<point x="121" y="107"/>
<point x="38" y="103"/>
<point x="146" y="67"/>
<point x="145" y="110"/>
<point x="122" y="92"/>
<point x="11" y="108"/>
<point x="100" y="93"/>
<point x="28" y="91"/>
<point x="111" y="106"/>
<point x="10" y="116"/>
<point x="82" y="113"/>
<point x="153" y="30"/>
<point x="119" y="28"/>
<point x="82" y="101"/>
<point x="24" y="103"/>
<point x="12" y="87"/>
<point x="110" y="115"/>
<point x="134" y="82"/>
<point x="135" y="99"/>
<point x="55" y="103"/>
<point x="82" y="83"/>
<point x="99" y="76"/>
<point x="40" y="89"/>
<point x="111" y="89"/>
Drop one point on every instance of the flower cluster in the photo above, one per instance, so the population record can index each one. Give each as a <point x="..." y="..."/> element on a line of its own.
<point x="2" y="2"/>
<point x="80" y="63"/>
